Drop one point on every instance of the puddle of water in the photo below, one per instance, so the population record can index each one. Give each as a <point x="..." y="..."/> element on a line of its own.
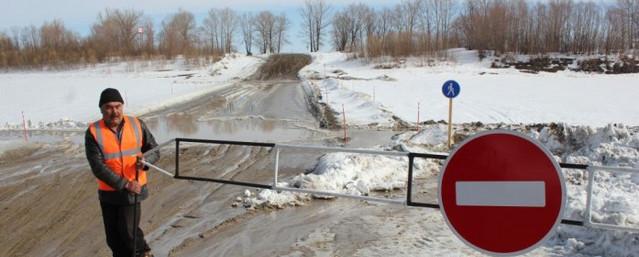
<point x="43" y="136"/>
<point x="249" y="128"/>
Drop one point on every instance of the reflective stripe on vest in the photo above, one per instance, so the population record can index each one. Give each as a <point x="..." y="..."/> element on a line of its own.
<point x="120" y="155"/>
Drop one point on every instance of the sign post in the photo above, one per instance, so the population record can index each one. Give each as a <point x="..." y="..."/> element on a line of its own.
<point x="450" y="89"/>
<point x="502" y="193"/>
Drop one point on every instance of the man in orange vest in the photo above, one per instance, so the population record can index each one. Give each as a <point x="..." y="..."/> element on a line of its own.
<point x="113" y="147"/>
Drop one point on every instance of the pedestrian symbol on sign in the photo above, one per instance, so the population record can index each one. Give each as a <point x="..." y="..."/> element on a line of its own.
<point x="451" y="89"/>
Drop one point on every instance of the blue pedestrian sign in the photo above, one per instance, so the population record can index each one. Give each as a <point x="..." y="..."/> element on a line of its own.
<point x="451" y="89"/>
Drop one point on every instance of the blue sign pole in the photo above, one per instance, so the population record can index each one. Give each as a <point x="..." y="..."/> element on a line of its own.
<point x="450" y="89"/>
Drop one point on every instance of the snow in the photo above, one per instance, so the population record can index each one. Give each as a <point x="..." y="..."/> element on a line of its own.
<point x="68" y="99"/>
<point x="589" y="109"/>
<point x="614" y="194"/>
<point x="361" y="109"/>
<point x="487" y="95"/>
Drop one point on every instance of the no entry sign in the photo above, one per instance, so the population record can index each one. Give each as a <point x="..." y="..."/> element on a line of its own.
<point x="501" y="193"/>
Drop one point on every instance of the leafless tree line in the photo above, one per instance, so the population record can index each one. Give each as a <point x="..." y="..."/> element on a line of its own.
<point x="416" y="27"/>
<point x="582" y="27"/>
<point x="128" y="33"/>
<point x="411" y="27"/>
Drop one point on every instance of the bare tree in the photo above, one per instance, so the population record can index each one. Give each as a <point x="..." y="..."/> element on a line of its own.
<point x="229" y="21"/>
<point x="115" y="31"/>
<point x="247" y="22"/>
<point x="341" y="23"/>
<point x="443" y="14"/>
<point x="315" y="20"/>
<point x="219" y="28"/>
<point x="148" y="42"/>
<point x="629" y="21"/>
<point x="584" y="27"/>
<point x="178" y="34"/>
<point x="212" y="31"/>
<point x="308" y="25"/>
<point x="265" y="28"/>
<point x="280" y="28"/>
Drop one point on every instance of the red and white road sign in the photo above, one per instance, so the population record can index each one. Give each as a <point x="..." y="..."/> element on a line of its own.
<point x="502" y="193"/>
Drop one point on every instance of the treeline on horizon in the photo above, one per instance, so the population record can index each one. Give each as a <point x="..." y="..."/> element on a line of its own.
<point x="411" y="27"/>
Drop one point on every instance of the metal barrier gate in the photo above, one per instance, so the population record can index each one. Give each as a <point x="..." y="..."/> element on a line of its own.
<point x="411" y="157"/>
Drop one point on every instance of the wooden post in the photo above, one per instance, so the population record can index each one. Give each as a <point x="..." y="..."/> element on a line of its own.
<point x="24" y="126"/>
<point x="344" y="123"/>
<point x="326" y="91"/>
<point x="450" y="121"/>
<point x="417" y="116"/>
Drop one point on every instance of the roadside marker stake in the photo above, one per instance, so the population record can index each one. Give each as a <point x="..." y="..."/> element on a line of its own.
<point x="24" y="125"/>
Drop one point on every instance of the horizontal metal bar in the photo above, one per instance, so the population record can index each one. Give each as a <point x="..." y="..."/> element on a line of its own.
<point x="358" y="197"/>
<point x="573" y="166"/>
<point x="340" y="149"/>
<point x="426" y="205"/>
<point x="572" y="222"/>
<point x="438" y="156"/>
<point x="615" y="227"/>
<point x="223" y="181"/>
<point x="225" y="142"/>
<point x="157" y="148"/>
<point x="617" y="169"/>
<point x="157" y="168"/>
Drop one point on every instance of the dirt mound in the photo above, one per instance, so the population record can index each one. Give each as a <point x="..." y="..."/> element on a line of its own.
<point x="604" y="64"/>
<point x="282" y="66"/>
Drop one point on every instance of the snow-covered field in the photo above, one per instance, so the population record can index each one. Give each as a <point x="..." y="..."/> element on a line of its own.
<point x="68" y="99"/>
<point x="371" y="95"/>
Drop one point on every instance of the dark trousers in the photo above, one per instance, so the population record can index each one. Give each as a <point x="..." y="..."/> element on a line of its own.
<point x="118" y="225"/>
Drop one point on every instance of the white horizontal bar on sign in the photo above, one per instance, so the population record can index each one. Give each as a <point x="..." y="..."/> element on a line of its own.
<point x="501" y="193"/>
<point x="339" y="149"/>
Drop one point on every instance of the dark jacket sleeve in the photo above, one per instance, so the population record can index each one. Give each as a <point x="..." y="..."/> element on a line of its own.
<point x="96" y="161"/>
<point x="148" y="143"/>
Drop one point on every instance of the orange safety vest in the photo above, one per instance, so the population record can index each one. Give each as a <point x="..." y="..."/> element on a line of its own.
<point x="120" y="155"/>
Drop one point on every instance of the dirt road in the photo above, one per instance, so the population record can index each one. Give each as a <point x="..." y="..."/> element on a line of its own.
<point x="49" y="201"/>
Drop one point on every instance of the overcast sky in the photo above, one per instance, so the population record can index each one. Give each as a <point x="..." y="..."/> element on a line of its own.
<point x="78" y="15"/>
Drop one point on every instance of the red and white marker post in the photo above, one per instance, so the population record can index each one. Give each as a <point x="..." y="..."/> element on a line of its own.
<point x="502" y="193"/>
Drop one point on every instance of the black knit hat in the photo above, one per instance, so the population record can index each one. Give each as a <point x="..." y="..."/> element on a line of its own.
<point x="110" y="95"/>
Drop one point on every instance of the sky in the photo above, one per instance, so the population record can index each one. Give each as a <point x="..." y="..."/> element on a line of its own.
<point x="79" y="15"/>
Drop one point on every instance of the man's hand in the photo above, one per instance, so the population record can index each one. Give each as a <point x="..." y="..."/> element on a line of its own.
<point x="139" y="165"/>
<point x="133" y="187"/>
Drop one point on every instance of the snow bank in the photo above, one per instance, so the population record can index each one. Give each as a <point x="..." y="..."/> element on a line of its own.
<point x="361" y="110"/>
<point x="487" y="95"/>
<point x="346" y="173"/>
<point x="614" y="194"/>
<point x="463" y="56"/>
<point x="68" y="99"/>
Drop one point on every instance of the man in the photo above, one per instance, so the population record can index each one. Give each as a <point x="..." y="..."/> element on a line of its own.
<point x="114" y="146"/>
